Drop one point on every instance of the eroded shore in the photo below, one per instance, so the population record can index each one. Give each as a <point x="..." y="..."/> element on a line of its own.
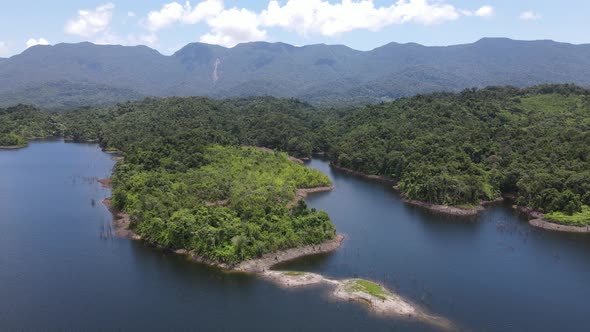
<point x="445" y="209"/>
<point x="363" y="175"/>
<point x="454" y="210"/>
<point x="12" y="147"/>
<point x="451" y="210"/>
<point x="303" y="193"/>
<point x="538" y="220"/>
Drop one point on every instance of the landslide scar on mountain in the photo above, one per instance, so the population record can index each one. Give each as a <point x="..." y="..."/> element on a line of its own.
<point x="215" y="70"/>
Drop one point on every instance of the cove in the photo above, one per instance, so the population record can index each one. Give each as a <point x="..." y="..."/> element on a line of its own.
<point x="61" y="268"/>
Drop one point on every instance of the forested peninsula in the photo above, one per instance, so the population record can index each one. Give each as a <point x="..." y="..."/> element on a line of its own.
<point x="478" y="145"/>
<point x="190" y="179"/>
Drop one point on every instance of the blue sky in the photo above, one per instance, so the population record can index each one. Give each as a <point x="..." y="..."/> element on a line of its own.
<point x="360" y="24"/>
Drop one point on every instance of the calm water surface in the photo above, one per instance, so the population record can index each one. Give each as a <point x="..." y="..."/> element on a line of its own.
<point x="61" y="269"/>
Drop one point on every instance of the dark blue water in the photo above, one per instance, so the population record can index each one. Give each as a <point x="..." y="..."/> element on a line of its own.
<point x="60" y="269"/>
<point x="489" y="273"/>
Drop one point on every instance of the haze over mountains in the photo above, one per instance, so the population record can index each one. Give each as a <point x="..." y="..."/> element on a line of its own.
<point x="70" y="75"/>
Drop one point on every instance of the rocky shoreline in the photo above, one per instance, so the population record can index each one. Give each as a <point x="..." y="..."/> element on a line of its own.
<point x="112" y="151"/>
<point x="12" y="147"/>
<point x="538" y="220"/>
<point x="303" y="193"/>
<point x="106" y="183"/>
<point x="454" y="210"/>
<point x="541" y="223"/>
<point x="363" y="175"/>
<point x="450" y="210"/>
<point x="121" y="222"/>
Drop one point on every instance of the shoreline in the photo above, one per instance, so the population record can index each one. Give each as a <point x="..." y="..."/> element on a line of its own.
<point x="12" y="147"/>
<point x="449" y="210"/>
<point x="122" y="221"/>
<point x="264" y="263"/>
<point x="363" y="175"/>
<point x="304" y="192"/>
<point x="538" y="220"/>
<point x="444" y="209"/>
<point x="454" y="210"/>
<point x="112" y="151"/>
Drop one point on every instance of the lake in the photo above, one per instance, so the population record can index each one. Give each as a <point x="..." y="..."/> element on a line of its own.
<point x="61" y="268"/>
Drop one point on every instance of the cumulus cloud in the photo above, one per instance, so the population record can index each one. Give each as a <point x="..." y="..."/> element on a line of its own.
<point x="305" y="17"/>
<point x="174" y="12"/>
<point x="34" y="42"/>
<point x="232" y="27"/>
<point x="530" y="16"/>
<point x="327" y="19"/>
<point x="91" y="22"/>
<point x="131" y="14"/>
<point x="484" y="11"/>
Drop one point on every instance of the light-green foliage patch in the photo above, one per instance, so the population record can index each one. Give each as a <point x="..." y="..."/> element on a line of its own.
<point x="368" y="287"/>
<point x="577" y="219"/>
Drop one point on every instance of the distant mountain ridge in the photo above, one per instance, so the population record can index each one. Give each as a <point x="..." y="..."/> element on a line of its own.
<point x="48" y="76"/>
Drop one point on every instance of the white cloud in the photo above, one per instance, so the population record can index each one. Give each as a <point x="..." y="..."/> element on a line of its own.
<point x="530" y="16"/>
<point x="327" y="19"/>
<point x="305" y="17"/>
<point x="485" y="11"/>
<point x="34" y="42"/>
<point x="233" y="26"/>
<point x="174" y="12"/>
<point x="91" y="22"/>
<point x="131" y="14"/>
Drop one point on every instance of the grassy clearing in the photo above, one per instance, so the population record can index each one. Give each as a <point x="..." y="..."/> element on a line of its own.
<point x="367" y="287"/>
<point x="577" y="219"/>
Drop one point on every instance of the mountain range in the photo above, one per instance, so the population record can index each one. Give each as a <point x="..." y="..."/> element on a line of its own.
<point x="72" y="75"/>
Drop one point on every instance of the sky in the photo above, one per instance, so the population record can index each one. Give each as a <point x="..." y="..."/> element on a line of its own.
<point x="361" y="24"/>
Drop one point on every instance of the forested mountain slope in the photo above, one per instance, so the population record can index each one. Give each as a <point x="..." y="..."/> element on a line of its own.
<point x="320" y="74"/>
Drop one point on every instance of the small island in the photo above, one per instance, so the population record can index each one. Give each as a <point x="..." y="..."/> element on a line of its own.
<point x="376" y="297"/>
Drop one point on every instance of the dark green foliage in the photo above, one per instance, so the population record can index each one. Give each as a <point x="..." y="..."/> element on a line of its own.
<point x="233" y="207"/>
<point x="475" y="145"/>
<point x="283" y="124"/>
<point x="20" y="123"/>
<point x="64" y="95"/>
